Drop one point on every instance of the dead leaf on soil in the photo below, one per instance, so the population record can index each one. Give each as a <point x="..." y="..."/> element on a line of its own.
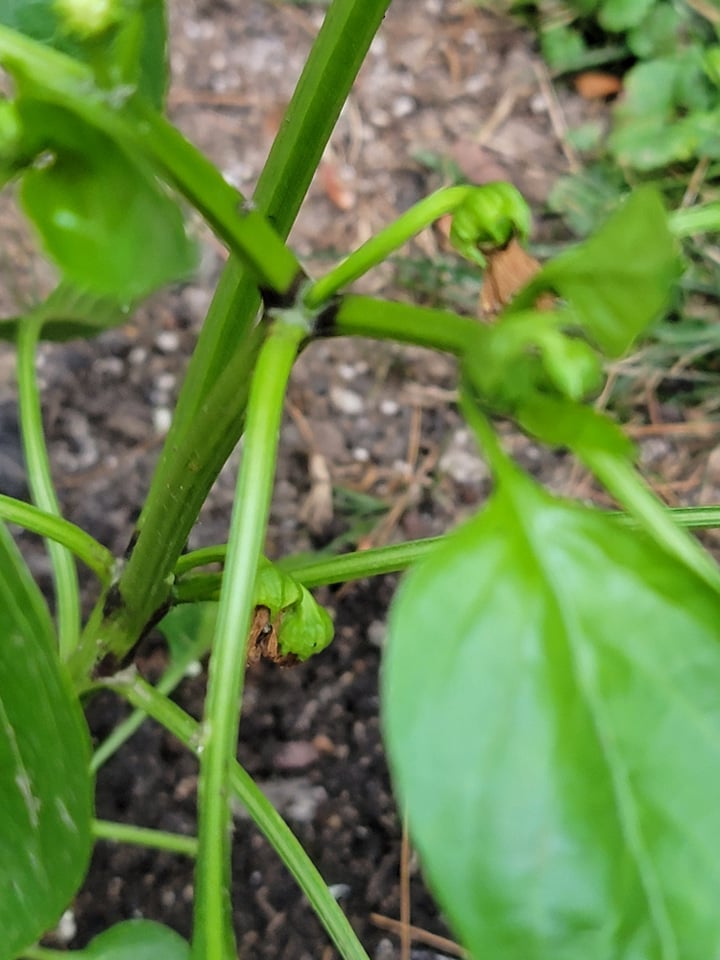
<point x="597" y="85"/>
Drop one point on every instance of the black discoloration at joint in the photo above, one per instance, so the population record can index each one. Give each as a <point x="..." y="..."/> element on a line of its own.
<point x="325" y="323"/>
<point x="108" y="666"/>
<point x="155" y="619"/>
<point x="113" y="602"/>
<point x="283" y="301"/>
<point x="131" y="544"/>
<point x="111" y="663"/>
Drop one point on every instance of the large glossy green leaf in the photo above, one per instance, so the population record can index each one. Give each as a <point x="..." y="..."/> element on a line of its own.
<point x="551" y="696"/>
<point x="110" y="227"/>
<point x="137" y="940"/>
<point x="45" y="786"/>
<point x="620" y="280"/>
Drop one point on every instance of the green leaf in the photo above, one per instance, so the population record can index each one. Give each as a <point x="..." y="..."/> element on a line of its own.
<point x="45" y="786"/>
<point x="274" y="589"/>
<point x="551" y="712"/>
<point x="563" y="47"/>
<point x="621" y="279"/>
<point x="137" y="940"/>
<point x="35" y="18"/>
<point x="657" y="35"/>
<point x="620" y="15"/>
<point x="580" y="428"/>
<point x="124" y="42"/>
<point x="68" y="313"/>
<point x="668" y="112"/>
<point x="109" y="225"/>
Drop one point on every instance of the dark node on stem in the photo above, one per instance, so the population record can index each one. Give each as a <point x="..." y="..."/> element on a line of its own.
<point x="325" y="323"/>
<point x="131" y="543"/>
<point x="113" y="602"/>
<point x="155" y="618"/>
<point x="274" y="300"/>
<point x="110" y="663"/>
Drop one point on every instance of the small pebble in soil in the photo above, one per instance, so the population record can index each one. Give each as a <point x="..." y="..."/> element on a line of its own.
<point x="403" y="106"/>
<point x="162" y="418"/>
<point x="340" y="890"/>
<point x="66" y="928"/>
<point x="376" y="633"/>
<point x="346" y="401"/>
<point x="165" y="382"/>
<point x="361" y="455"/>
<point x="137" y="356"/>
<point x="296" y="755"/>
<point x="167" y="341"/>
<point x="389" y="408"/>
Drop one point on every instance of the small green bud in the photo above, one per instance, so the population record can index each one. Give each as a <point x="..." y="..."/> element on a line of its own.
<point x="488" y="218"/>
<point x="306" y="628"/>
<point x="88" y="18"/>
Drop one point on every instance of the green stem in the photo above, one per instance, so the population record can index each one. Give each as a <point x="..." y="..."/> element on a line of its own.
<point x="177" y="670"/>
<point x="621" y="480"/>
<point x="146" y="698"/>
<point x="385" y="320"/>
<point x="378" y="248"/>
<point x="690" y="221"/>
<point x="212" y="938"/>
<point x="189" y="467"/>
<point x="209" y="416"/>
<point x="245" y="230"/>
<point x="317" y="572"/>
<point x="93" y="554"/>
<point x="144" y="837"/>
<point x="395" y="558"/>
<point x="143" y="132"/>
<point x="67" y="592"/>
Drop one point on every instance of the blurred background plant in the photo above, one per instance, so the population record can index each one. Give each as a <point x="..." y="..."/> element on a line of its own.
<point x="649" y="74"/>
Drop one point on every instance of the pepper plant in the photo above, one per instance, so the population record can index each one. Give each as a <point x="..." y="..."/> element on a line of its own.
<point x="551" y="683"/>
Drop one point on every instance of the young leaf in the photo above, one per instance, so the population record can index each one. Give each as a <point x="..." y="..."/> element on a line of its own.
<point x="618" y="281"/>
<point x="274" y="589"/>
<point x="127" y="41"/>
<point x="552" y="717"/>
<point x="111" y="228"/>
<point x="45" y="786"/>
<point x="137" y="940"/>
<point x="306" y="628"/>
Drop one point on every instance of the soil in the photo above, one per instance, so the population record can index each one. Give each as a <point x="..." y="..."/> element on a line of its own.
<point x="444" y="81"/>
